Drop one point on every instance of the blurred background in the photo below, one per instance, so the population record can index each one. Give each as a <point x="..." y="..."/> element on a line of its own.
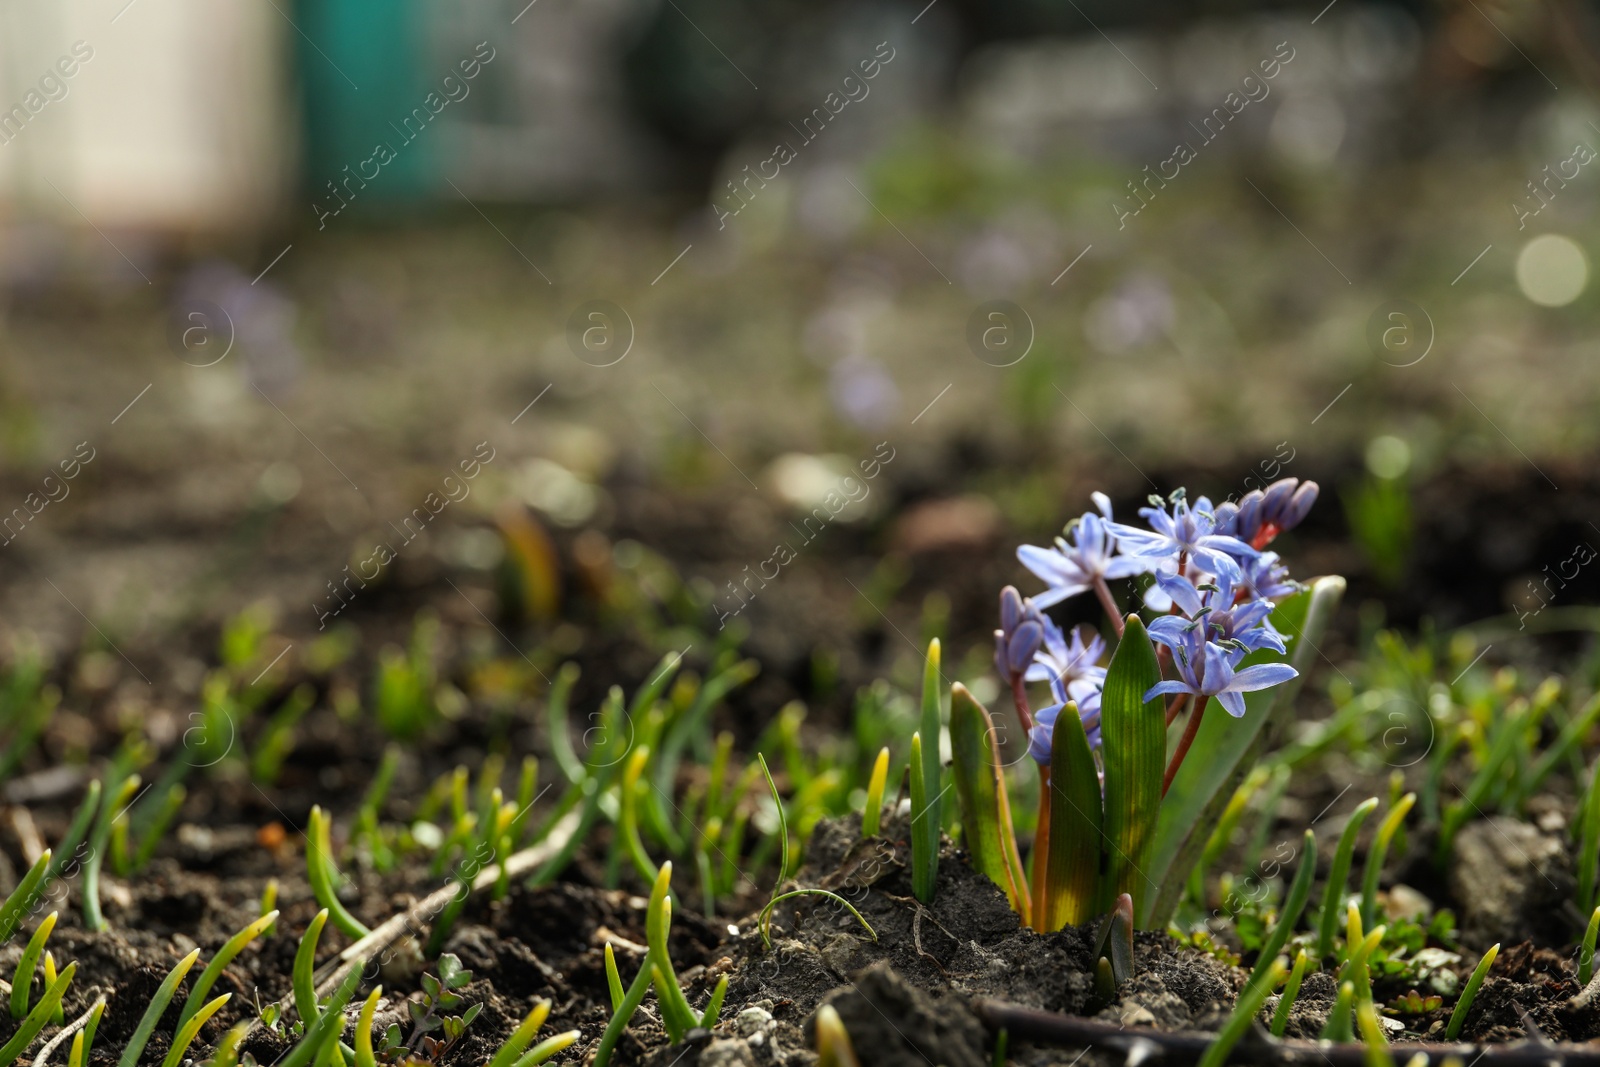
<point x="668" y="274"/>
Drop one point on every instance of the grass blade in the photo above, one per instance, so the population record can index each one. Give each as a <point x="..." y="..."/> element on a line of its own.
<point x="924" y="844"/>
<point x="1291" y="991"/>
<point x="1244" y="1013"/>
<point x="872" y="814"/>
<point x="1586" y="950"/>
<point x="1338" y="876"/>
<point x="1134" y="740"/>
<point x="152" y="1013"/>
<point x="1588" y="846"/>
<point x="38" y="1018"/>
<point x="22" y="980"/>
<point x="321" y="873"/>
<point x="224" y="956"/>
<point x="22" y="898"/>
<point x="1375" y="857"/>
<point x="1293" y="905"/>
<point x="1458" y="1017"/>
<point x="187" y="1030"/>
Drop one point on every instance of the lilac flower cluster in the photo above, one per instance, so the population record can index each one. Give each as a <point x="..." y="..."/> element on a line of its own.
<point x="1209" y="576"/>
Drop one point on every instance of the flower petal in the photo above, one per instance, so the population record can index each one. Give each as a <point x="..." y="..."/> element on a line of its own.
<point x="1261" y="676"/>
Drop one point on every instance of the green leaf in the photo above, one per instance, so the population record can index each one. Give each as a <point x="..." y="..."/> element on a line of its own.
<point x="981" y="788"/>
<point x="1226" y="748"/>
<point x="1134" y="739"/>
<point x="1072" y="878"/>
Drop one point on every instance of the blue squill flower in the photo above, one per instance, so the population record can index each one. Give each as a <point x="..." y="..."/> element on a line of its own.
<point x="1237" y="625"/>
<point x="1044" y="727"/>
<point x="1267" y="578"/>
<point x="1022" y="629"/>
<point x="1206" y="669"/>
<point x="1073" y="567"/>
<point x="1263" y="514"/>
<point x="1186" y="532"/>
<point x="1063" y="661"/>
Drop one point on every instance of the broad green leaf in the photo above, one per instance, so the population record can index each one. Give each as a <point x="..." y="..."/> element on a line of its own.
<point x="981" y="788"/>
<point x="1072" y="882"/>
<point x="1226" y="748"/>
<point x="1134" y="747"/>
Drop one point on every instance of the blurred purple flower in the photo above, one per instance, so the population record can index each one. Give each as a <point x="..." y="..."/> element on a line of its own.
<point x="1072" y="567"/>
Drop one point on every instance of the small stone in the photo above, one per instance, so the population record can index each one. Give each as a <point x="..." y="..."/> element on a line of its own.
<point x="1511" y="879"/>
<point x="1406" y="903"/>
<point x="752" y="1021"/>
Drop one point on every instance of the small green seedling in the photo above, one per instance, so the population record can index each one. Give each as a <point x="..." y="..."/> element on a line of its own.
<point x="1291" y="991"/>
<point x="763" y="921"/>
<point x="1458" y="1017"/>
<point x="323" y="874"/>
<point x="1340" y="1026"/>
<point x="872" y="814"/>
<point x="1333" y="895"/>
<point x="1375" y="857"/>
<point x="187" y="1030"/>
<point x="38" y="1018"/>
<point x="833" y="1041"/>
<point x="153" y="1012"/>
<point x="22" y="980"/>
<point x="1586" y="949"/>
<point x="1293" y="906"/>
<point x="22" y="898"/>
<point x="213" y="971"/>
<point x="1244" y="1015"/>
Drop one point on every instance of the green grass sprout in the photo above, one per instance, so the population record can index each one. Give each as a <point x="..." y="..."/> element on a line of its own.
<point x="613" y="978"/>
<point x="153" y="1012"/>
<point x="77" y="831"/>
<point x="1375" y="856"/>
<point x="1294" y="904"/>
<point x="269" y="903"/>
<point x="1291" y="991"/>
<point x="1244" y="1015"/>
<point x="833" y="1041"/>
<point x="38" y="1018"/>
<point x="325" y="1031"/>
<point x="50" y="976"/>
<point x="188" y="1029"/>
<point x="1338" y="875"/>
<point x="1588" y="828"/>
<point x="1378" y="1054"/>
<point x="1586" y="949"/>
<point x="305" y="961"/>
<point x="226" y="1053"/>
<point x="225" y="955"/>
<point x="22" y="898"/>
<point x="1458" y="1017"/>
<point x="620" y="1017"/>
<point x="321" y="873"/>
<point x="522" y="1035"/>
<point x="1339" y="1025"/>
<point x="872" y="814"/>
<point x="22" y="980"/>
<point x="763" y="920"/>
<point x="365" y="1057"/>
<point x="112" y="806"/>
<point x="127" y="860"/>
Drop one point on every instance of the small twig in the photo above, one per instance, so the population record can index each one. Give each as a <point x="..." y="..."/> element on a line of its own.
<point x="393" y="928"/>
<point x="1073" y="1031"/>
<point x="65" y="1032"/>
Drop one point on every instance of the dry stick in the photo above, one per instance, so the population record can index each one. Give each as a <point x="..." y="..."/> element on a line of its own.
<point x="1189" y="730"/>
<point x="65" y="1032"/>
<point x="1074" y="1031"/>
<point x="391" y="929"/>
